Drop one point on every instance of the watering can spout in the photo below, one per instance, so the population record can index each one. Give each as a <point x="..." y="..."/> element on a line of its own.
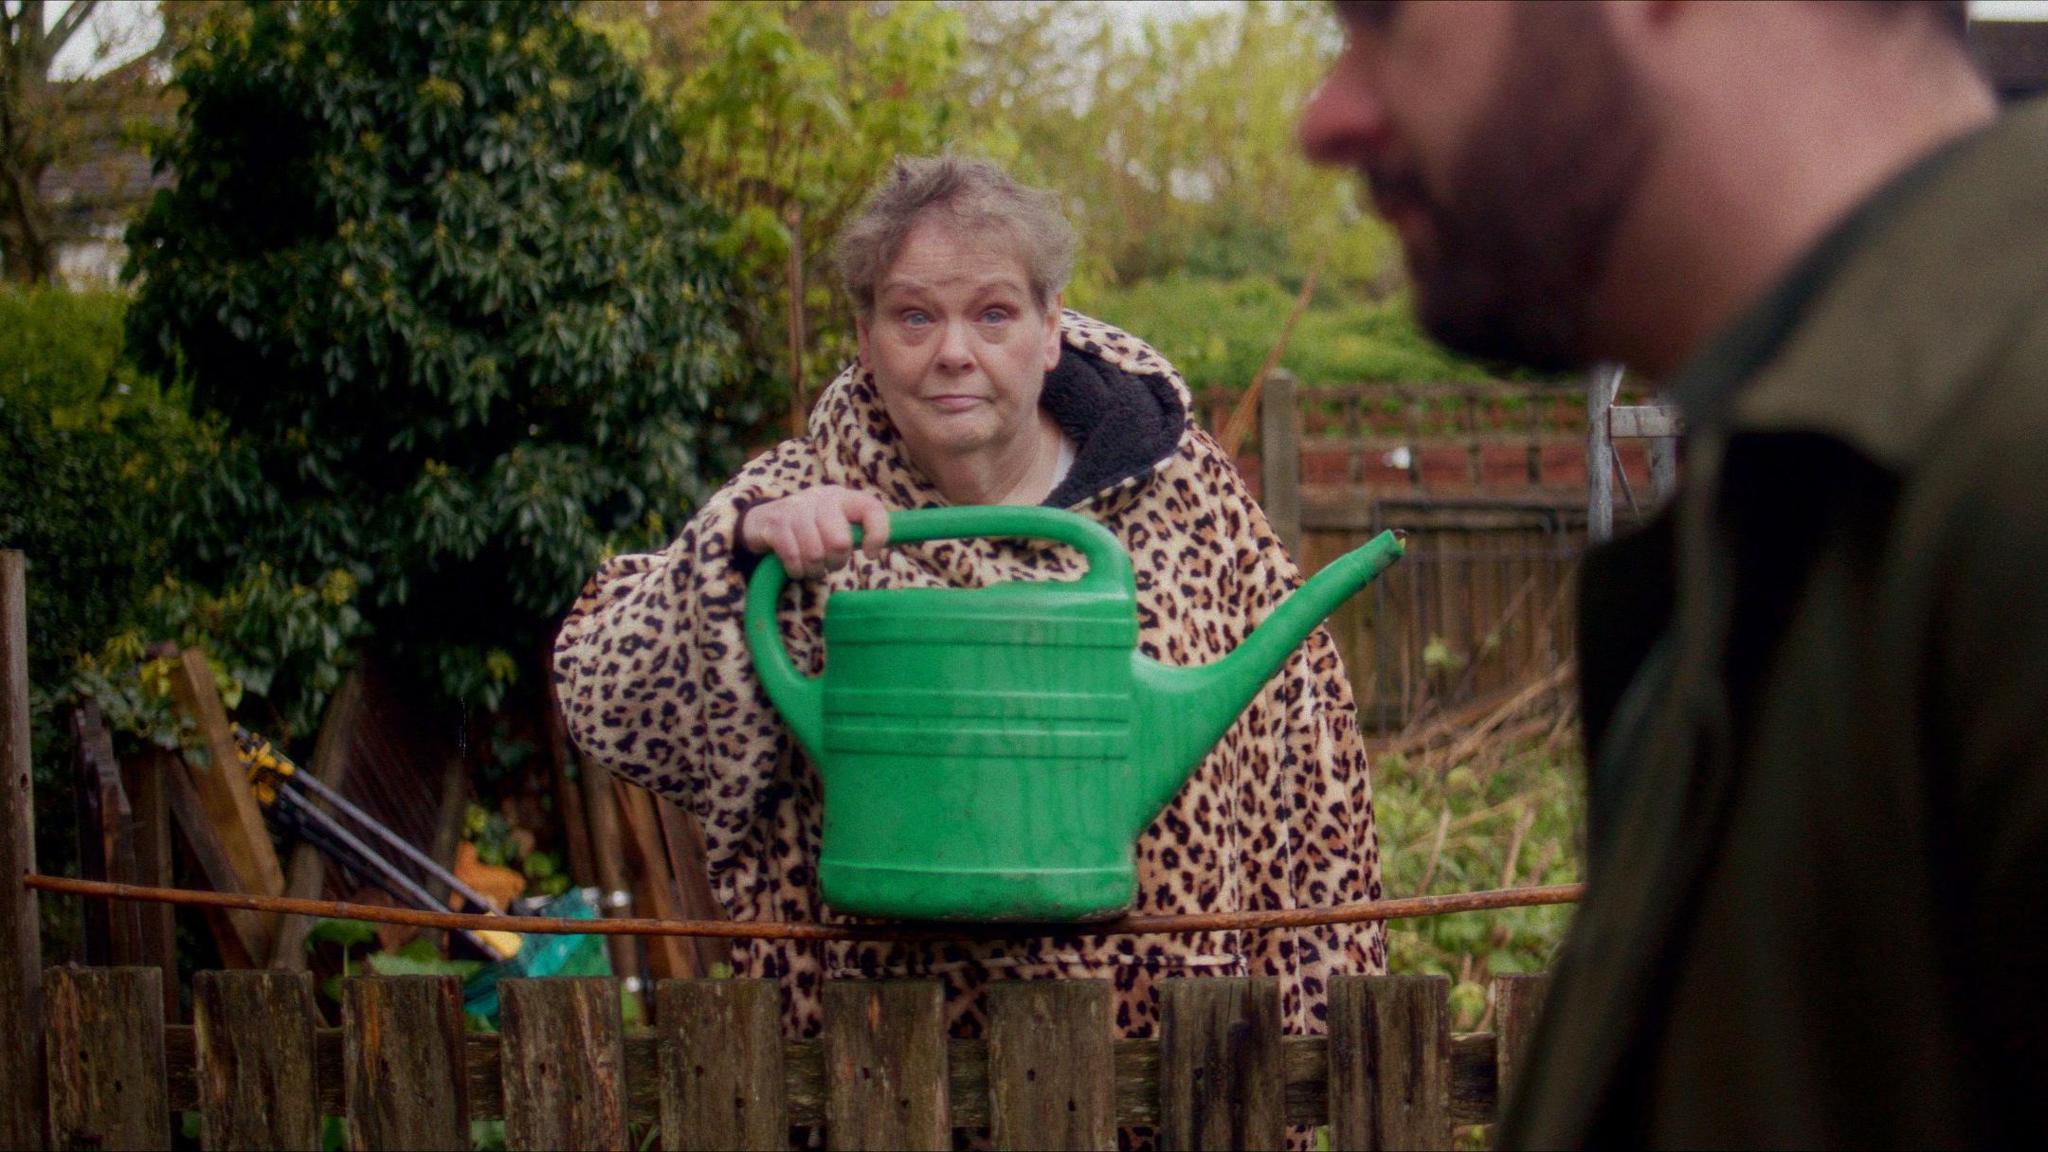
<point x="1184" y="712"/>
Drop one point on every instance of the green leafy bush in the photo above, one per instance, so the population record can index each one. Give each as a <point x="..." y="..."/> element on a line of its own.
<point x="1218" y="332"/>
<point x="1449" y="829"/>
<point x="431" y="267"/>
<point x="64" y="348"/>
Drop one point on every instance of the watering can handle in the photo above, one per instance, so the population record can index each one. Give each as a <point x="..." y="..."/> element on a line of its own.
<point x="1109" y="570"/>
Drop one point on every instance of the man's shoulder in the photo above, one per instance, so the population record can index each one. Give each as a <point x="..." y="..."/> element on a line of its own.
<point x="1920" y="321"/>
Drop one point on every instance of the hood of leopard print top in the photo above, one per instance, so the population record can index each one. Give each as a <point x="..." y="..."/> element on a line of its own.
<point x="1124" y="407"/>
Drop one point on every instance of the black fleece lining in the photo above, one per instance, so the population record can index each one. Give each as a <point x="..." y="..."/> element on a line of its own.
<point x="1121" y="423"/>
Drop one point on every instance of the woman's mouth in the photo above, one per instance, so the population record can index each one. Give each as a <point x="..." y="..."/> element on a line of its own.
<point x="953" y="402"/>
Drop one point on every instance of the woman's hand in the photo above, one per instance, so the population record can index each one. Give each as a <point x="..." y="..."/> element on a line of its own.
<point x="812" y="531"/>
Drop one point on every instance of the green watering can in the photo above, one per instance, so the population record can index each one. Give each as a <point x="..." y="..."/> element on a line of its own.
<point x="994" y="753"/>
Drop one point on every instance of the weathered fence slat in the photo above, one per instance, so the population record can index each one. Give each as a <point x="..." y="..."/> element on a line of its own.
<point x="1051" y="1081"/>
<point x="1390" y="1062"/>
<point x="255" y="1062"/>
<point x="563" y="1063"/>
<point x="1222" y="1083"/>
<point x="105" y="1031"/>
<point x="1517" y="1005"/>
<point x="885" y="1065"/>
<point x="21" y="945"/>
<point x="402" y="1062"/>
<point x="720" y="1053"/>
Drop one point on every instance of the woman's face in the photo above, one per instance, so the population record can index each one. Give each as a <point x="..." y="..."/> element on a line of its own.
<point x="959" y="345"/>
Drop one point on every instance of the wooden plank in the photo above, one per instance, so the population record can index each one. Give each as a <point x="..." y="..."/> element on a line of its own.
<point x="306" y="875"/>
<point x="402" y="1063"/>
<point x="607" y="844"/>
<point x="21" y="946"/>
<point x="1390" y="1062"/>
<point x="105" y="1031"/>
<point x="143" y="779"/>
<point x="1136" y="1064"/>
<point x="1517" y="1007"/>
<point x="254" y="1057"/>
<point x="1050" y="1076"/>
<point x="1221" y="1080"/>
<point x="562" y="767"/>
<point x="563" y="1064"/>
<point x="1280" y="458"/>
<point x="125" y="920"/>
<point x="654" y="889"/>
<point x="229" y="806"/>
<point x="690" y="865"/>
<point x="96" y="816"/>
<point x="720" y="1054"/>
<point x="885" y="1065"/>
<point x="241" y="935"/>
<point x="1644" y="421"/>
<point x="107" y="1068"/>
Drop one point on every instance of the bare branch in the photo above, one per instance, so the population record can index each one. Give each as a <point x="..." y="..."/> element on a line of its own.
<point x="67" y="26"/>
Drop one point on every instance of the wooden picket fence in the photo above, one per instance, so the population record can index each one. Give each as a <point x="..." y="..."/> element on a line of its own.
<point x="261" y="1071"/>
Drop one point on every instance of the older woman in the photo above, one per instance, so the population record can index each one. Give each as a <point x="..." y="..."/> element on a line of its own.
<point x="974" y="387"/>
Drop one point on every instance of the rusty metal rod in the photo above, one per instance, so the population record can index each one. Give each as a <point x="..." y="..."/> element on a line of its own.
<point x="1404" y="909"/>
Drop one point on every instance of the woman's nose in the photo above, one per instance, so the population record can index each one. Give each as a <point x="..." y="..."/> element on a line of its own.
<point x="956" y="347"/>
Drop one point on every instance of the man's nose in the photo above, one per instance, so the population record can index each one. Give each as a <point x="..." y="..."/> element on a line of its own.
<point x="1344" y="120"/>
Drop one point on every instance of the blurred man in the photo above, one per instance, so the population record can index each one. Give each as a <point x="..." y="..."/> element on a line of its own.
<point x="1815" y="690"/>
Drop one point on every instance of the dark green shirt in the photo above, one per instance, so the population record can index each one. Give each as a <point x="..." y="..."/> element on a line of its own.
<point x="1816" y="698"/>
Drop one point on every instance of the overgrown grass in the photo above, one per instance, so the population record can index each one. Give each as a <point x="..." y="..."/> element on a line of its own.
<point x="1502" y="817"/>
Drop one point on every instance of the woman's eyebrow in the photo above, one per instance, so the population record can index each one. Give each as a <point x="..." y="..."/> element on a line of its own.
<point x="908" y="285"/>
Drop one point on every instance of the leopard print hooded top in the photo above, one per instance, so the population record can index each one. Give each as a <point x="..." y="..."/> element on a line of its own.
<point x="655" y="680"/>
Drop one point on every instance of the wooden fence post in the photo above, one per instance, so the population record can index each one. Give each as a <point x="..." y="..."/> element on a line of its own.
<point x="1390" y="1062"/>
<point x="1601" y="386"/>
<point x="255" y="1062"/>
<point x="108" y="1081"/>
<point x="143" y="779"/>
<point x="1517" y="1006"/>
<point x="22" y="1076"/>
<point x="1280" y="458"/>
<point x="1222" y="1082"/>
<point x="1051" y="1079"/>
<point x="402" y="1064"/>
<point x="885" y="1065"/>
<point x="721" y="1065"/>
<point x="563" y="1063"/>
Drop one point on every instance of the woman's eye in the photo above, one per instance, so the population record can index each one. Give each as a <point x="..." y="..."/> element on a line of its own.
<point x="916" y="319"/>
<point x="995" y="316"/>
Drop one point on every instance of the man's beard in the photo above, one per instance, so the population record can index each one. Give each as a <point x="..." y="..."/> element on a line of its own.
<point x="1520" y="235"/>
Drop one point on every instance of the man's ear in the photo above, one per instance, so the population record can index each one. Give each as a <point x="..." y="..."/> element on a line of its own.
<point x="1052" y="331"/>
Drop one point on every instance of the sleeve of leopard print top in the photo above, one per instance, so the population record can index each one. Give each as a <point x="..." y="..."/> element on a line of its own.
<point x="651" y="665"/>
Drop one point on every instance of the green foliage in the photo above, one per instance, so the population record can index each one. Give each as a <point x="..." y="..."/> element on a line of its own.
<point x="434" y="270"/>
<point x="1218" y="332"/>
<point x="1173" y="142"/>
<point x="796" y="111"/>
<point x="1451" y="830"/>
<point x="64" y="348"/>
<point x="277" y="648"/>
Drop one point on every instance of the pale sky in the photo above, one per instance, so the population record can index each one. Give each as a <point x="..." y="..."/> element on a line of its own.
<point x="131" y="25"/>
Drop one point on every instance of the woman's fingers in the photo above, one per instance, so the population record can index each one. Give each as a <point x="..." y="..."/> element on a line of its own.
<point x="837" y="536"/>
<point x="874" y="521"/>
<point x="810" y="547"/>
<point x="812" y="531"/>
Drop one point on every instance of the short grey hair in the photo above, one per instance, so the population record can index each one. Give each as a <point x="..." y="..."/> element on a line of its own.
<point x="975" y="195"/>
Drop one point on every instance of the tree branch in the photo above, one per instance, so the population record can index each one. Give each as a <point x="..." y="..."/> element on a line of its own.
<point x="66" y="27"/>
